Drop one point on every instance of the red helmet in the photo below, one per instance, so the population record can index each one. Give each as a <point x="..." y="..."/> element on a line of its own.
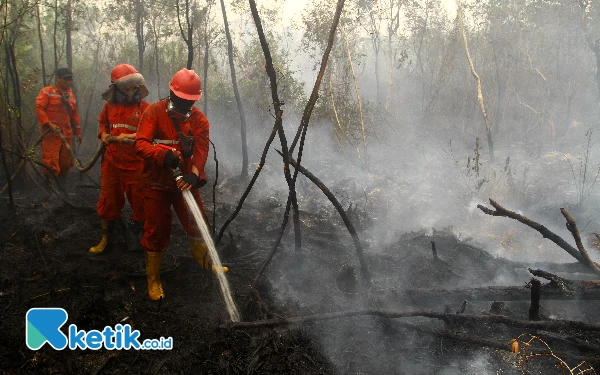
<point x="125" y="76"/>
<point x="121" y="71"/>
<point x="186" y="85"/>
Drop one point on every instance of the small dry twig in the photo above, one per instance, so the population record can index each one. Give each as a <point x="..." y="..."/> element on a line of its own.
<point x="528" y="346"/>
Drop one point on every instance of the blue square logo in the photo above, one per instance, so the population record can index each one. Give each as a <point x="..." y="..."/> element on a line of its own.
<point x="42" y="325"/>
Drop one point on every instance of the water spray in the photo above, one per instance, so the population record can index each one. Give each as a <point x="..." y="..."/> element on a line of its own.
<point x="192" y="206"/>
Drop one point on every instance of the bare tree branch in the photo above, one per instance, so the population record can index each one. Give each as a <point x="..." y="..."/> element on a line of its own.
<point x="545" y="232"/>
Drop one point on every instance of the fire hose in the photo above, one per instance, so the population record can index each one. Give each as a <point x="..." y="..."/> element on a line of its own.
<point x="80" y="167"/>
<point x="84" y="168"/>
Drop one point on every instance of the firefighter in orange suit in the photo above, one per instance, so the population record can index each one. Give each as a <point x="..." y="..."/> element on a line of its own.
<point x="121" y="166"/>
<point x="172" y="135"/>
<point x="56" y="109"/>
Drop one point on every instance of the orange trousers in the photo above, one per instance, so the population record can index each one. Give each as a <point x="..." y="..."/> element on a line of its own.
<point x="116" y="184"/>
<point x="55" y="155"/>
<point x="158" y="223"/>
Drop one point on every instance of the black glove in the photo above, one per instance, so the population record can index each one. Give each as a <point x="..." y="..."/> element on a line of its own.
<point x="192" y="179"/>
<point x="171" y="160"/>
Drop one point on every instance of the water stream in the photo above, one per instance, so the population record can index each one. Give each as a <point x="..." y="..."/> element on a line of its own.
<point x="212" y="252"/>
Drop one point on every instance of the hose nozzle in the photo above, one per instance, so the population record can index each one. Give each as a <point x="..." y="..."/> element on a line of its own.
<point x="177" y="174"/>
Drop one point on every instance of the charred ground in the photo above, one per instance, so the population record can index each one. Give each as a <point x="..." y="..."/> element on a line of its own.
<point x="45" y="263"/>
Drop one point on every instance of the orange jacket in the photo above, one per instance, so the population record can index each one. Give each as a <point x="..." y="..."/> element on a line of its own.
<point x="49" y="107"/>
<point x="154" y="125"/>
<point x="119" y="118"/>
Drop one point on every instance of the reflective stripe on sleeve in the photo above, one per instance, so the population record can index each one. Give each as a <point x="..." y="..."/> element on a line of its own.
<point x="165" y="141"/>
<point x="132" y="128"/>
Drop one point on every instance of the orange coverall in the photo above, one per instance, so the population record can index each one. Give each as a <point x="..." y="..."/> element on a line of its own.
<point x="121" y="166"/>
<point x="160" y="190"/>
<point x="49" y="107"/>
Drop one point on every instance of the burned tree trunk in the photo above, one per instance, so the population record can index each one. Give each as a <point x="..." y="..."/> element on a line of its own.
<point x="68" y="30"/>
<point x="236" y="91"/>
<point x="39" y="30"/>
<point x="139" y="32"/>
<point x="359" y="250"/>
<point x="186" y="35"/>
<point x="55" y="36"/>
<point x="11" y="201"/>
<point x="534" y="308"/>
<point x="301" y="133"/>
<point x="21" y="164"/>
<point x="205" y="70"/>
<point x="278" y="121"/>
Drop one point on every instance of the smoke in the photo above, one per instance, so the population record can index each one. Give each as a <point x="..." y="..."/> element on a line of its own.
<point x="394" y="189"/>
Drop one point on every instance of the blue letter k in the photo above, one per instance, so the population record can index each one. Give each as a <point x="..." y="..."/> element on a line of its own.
<point x="42" y="325"/>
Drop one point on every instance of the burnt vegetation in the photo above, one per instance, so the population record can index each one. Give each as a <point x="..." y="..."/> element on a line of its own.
<point x="411" y="249"/>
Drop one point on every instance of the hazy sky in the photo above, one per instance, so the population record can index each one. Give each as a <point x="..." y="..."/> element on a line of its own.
<point x="293" y="8"/>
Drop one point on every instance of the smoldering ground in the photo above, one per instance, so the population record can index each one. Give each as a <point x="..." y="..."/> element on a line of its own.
<point x="405" y="198"/>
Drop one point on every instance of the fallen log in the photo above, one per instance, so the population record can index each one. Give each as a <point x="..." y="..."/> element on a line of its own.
<point x="574" y="267"/>
<point x="454" y="319"/>
<point x="572" y="290"/>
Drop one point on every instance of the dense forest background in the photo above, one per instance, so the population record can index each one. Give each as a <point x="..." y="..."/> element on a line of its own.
<point x="402" y="74"/>
<point x="537" y="61"/>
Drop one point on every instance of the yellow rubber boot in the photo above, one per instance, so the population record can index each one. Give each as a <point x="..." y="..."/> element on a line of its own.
<point x="201" y="255"/>
<point x="98" y="249"/>
<point x="153" y="260"/>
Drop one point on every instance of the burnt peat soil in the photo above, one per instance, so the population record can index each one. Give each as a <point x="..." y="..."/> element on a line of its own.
<point x="44" y="262"/>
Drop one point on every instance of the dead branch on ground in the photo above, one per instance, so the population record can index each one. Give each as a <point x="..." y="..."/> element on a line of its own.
<point x="560" y="289"/>
<point x="579" y="254"/>
<point x="572" y="227"/>
<point x="478" y="341"/>
<point x="455" y="319"/>
<point x="528" y="346"/>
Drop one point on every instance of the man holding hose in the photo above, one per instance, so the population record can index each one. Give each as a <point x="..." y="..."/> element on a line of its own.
<point x="121" y="166"/>
<point x="173" y="140"/>
<point x="56" y="109"/>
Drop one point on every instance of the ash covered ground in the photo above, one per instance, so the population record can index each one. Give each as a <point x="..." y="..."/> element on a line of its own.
<point x="397" y="214"/>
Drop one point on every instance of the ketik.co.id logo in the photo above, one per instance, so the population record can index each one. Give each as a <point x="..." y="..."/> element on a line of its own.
<point x="42" y="325"/>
